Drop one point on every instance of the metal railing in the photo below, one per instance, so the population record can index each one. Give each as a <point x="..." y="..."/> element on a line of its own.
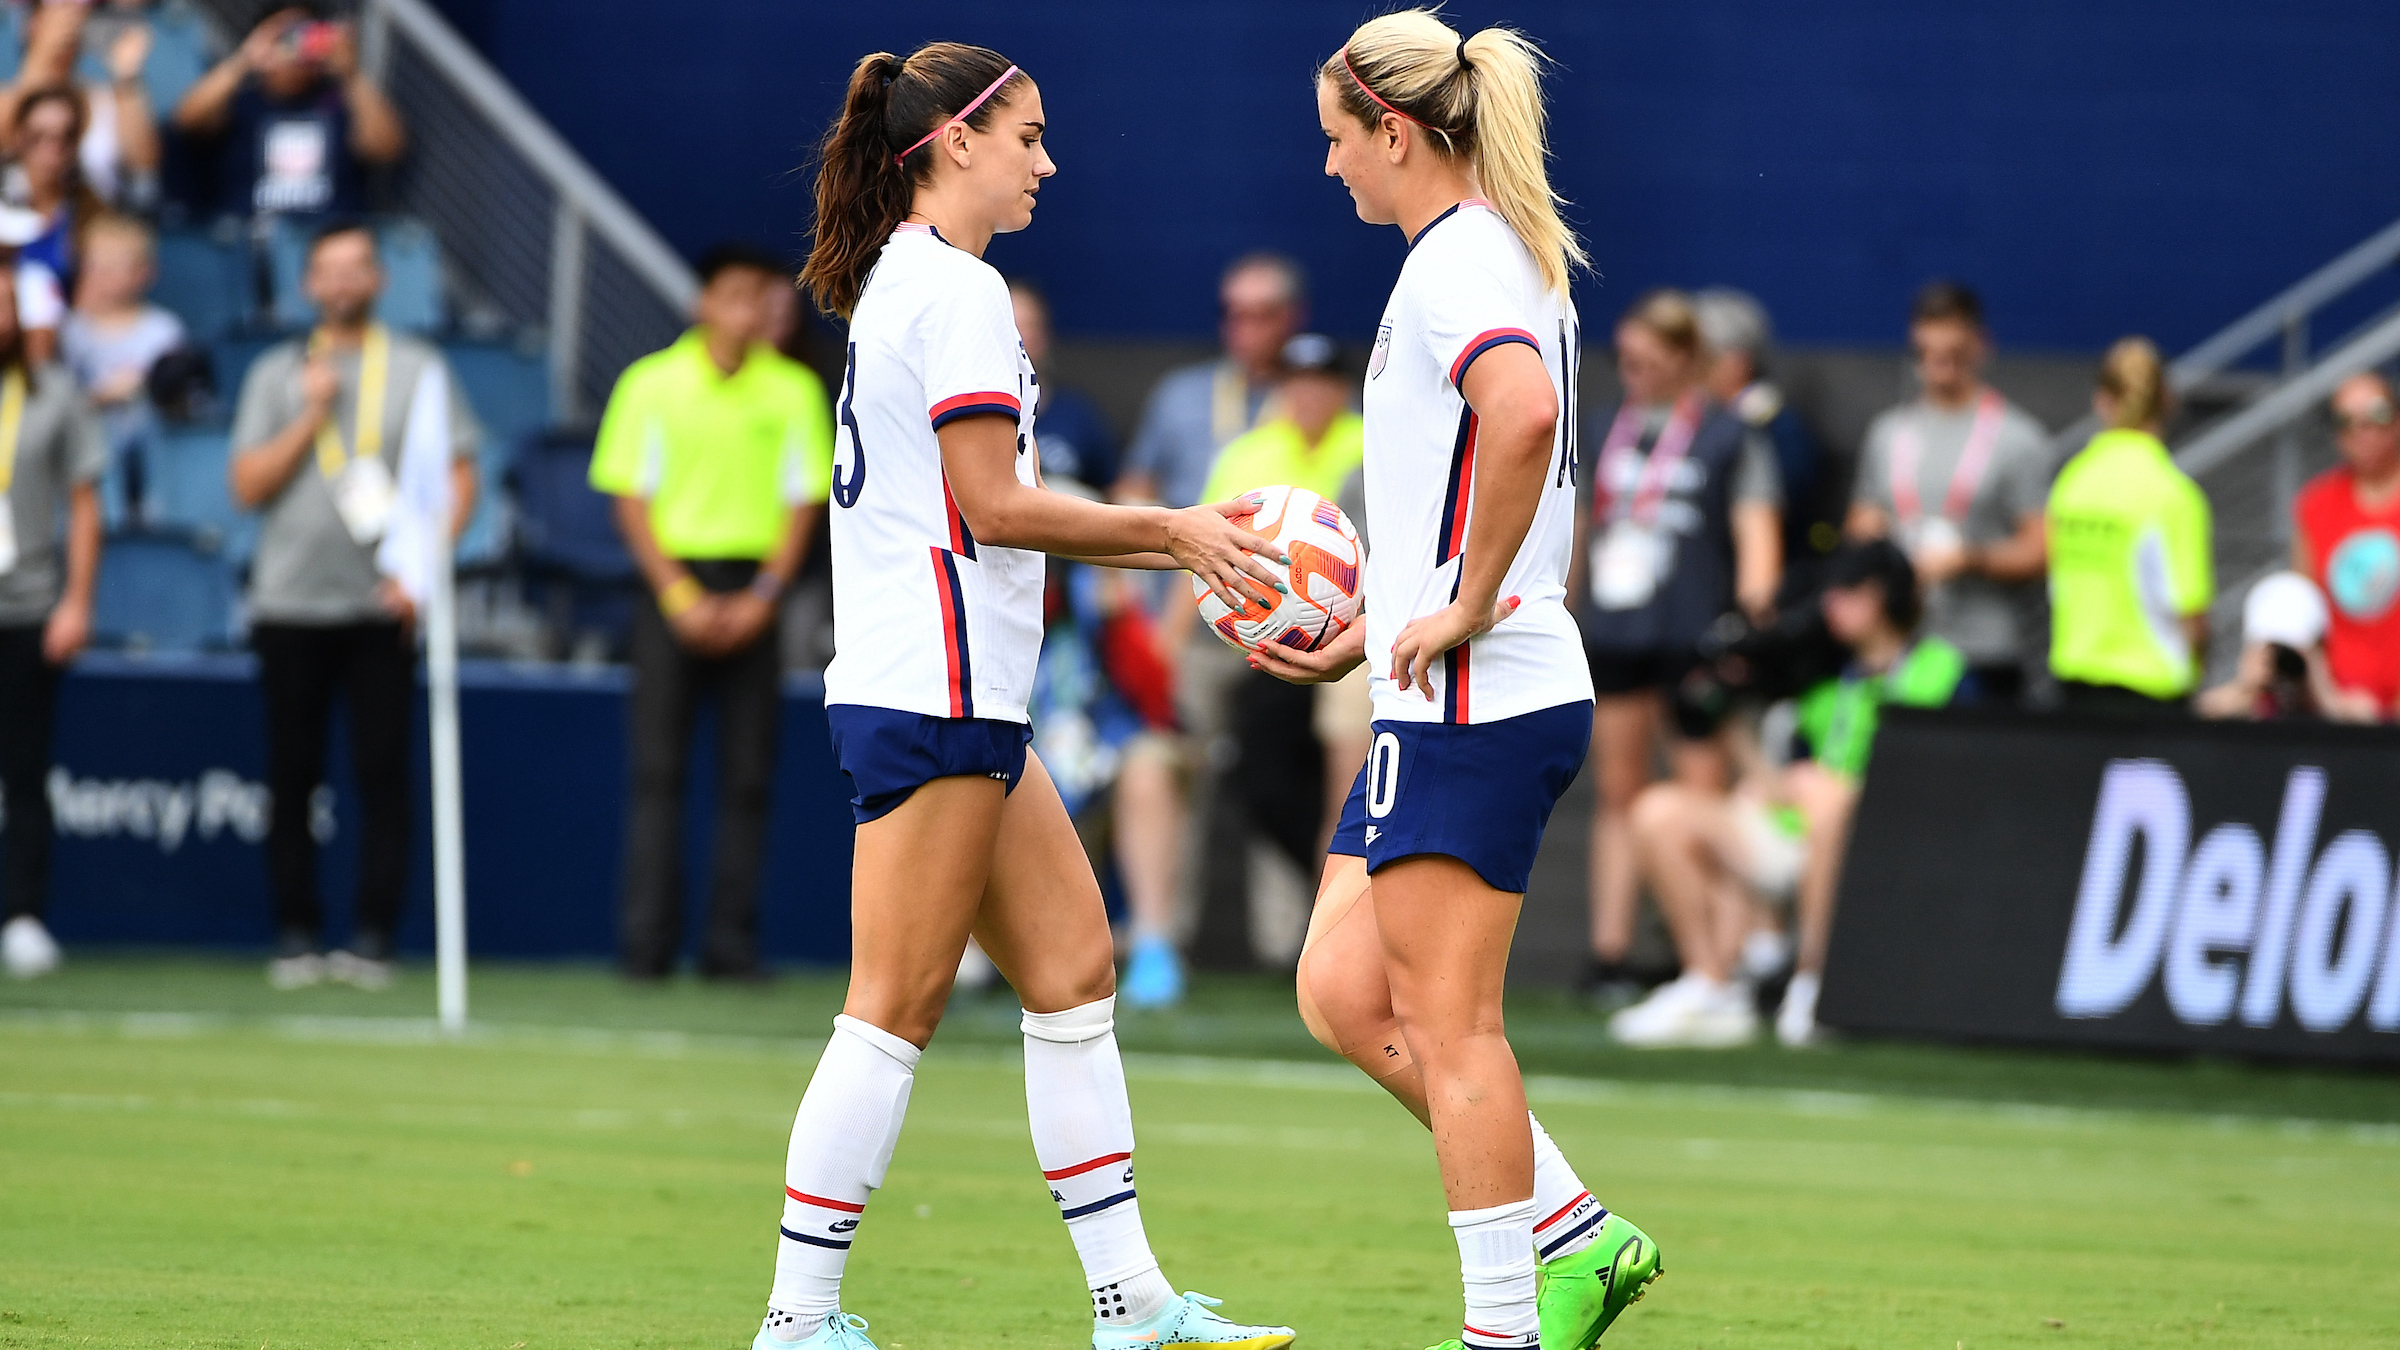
<point x="533" y="240"/>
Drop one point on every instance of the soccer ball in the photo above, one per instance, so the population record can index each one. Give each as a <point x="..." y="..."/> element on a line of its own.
<point x="1324" y="575"/>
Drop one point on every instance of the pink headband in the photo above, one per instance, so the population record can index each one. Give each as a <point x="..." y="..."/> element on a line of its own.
<point x="1362" y="88"/>
<point x="963" y="114"/>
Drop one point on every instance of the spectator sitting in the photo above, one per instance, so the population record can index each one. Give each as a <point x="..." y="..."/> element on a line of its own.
<point x="1958" y="478"/>
<point x="1710" y="855"/>
<point x="317" y="435"/>
<point x="297" y="120"/>
<point x="1070" y="435"/>
<point x="1195" y="410"/>
<point x="2131" y="575"/>
<point x="2346" y="537"/>
<point x="112" y="338"/>
<point x="1312" y="441"/>
<point x="115" y="144"/>
<point x="2283" y="673"/>
<point x="40" y="304"/>
<point x="49" y="466"/>
<point x="1736" y="330"/>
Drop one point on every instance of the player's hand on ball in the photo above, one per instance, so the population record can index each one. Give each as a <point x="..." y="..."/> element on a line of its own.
<point x="1423" y="641"/>
<point x="1322" y="666"/>
<point x="1206" y="542"/>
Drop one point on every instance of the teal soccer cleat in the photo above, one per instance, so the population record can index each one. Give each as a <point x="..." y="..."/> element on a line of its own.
<point x="839" y="1331"/>
<point x="1188" y="1321"/>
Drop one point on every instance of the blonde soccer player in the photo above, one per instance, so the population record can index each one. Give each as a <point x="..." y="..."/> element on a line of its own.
<point x="1482" y="697"/>
<point x="939" y="524"/>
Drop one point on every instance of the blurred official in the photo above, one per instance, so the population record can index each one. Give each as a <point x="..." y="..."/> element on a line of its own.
<point x="316" y="452"/>
<point x="719" y="451"/>
<point x="51" y="456"/>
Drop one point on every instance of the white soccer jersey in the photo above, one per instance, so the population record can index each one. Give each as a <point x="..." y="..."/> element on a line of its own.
<point x="925" y="619"/>
<point x="1469" y="285"/>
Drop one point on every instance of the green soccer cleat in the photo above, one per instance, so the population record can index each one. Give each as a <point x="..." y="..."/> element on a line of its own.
<point x="1578" y="1296"/>
<point x="1188" y="1321"/>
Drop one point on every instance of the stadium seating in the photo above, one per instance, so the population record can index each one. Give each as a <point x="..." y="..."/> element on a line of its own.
<point x="510" y="393"/>
<point x="186" y="490"/>
<point x="163" y="590"/>
<point x="205" y="280"/>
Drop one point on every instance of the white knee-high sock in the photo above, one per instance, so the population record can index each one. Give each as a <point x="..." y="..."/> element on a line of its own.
<point x="1495" y="1263"/>
<point x="1566" y="1217"/>
<point x="1083" y="1139"/>
<point x="842" y="1140"/>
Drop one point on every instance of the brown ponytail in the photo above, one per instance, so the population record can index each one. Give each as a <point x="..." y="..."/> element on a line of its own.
<point x="863" y="189"/>
<point x="2134" y="377"/>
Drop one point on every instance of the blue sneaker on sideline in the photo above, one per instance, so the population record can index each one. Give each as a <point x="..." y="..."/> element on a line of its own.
<point x="1153" y="975"/>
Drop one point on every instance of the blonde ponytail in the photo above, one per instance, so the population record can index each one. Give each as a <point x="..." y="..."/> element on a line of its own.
<point x="2134" y="376"/>
<point x="1480" y="98"/>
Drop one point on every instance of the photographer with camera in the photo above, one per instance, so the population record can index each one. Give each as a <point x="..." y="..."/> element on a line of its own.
<point x="298" y="121"/>
<point x="1714" y="858"/>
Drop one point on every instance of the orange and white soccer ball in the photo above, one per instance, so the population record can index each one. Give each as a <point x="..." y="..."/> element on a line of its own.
<point x="1327" y="560"/>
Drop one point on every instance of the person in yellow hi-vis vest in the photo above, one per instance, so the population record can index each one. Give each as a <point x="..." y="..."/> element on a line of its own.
<point x="316" y="452"/>
<point x="2131" y="578"/>
<point x="719" y="452"/>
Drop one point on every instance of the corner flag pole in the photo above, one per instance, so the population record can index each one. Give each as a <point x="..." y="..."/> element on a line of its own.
<point x="449" y="825"/>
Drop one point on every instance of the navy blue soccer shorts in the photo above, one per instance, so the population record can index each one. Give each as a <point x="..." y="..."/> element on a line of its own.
<point x="1481" y="794"/>
<point x="890" y="754"/>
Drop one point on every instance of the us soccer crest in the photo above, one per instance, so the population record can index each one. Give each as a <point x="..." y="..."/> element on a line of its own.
<point x="1383" y="350"/>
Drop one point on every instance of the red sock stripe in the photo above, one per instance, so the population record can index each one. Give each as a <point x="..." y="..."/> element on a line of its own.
<point x="1082" y="1167"/>
<point x="843" y="1205"/>
<point x="1563" y="1212"/>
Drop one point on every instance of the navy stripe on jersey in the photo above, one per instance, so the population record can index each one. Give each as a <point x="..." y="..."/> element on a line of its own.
<point x="1451" y="539"/>
<point x="1484" y="342"/>
<point x="814" y="1241"/>
<point x="954" y="632"/>
<point x="972" y="405"/>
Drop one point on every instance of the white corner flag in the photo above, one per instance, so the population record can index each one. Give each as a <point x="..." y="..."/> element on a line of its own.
<point x="415" y="552"/>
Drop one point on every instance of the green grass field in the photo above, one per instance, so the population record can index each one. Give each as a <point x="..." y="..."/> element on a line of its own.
<point x="189" y="1160"/>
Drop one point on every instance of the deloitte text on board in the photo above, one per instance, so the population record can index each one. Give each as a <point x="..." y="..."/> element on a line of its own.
<point x="2235" y="925"/>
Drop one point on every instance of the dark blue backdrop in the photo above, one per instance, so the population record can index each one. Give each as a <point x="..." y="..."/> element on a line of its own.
<point x="2098" y="166"/>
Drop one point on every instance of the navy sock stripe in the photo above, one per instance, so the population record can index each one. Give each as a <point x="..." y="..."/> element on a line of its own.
<point x="1573" y="1233"/>
<point x="813" y="1240"/>
<point x="1096" y="1206"/>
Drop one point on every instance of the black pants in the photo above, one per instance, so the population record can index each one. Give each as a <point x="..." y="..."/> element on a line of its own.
<point x="2109" y="700"/>
<point x="300" y="667"/>
<point x="668" y="685"/>
<point x="28" y="706"/>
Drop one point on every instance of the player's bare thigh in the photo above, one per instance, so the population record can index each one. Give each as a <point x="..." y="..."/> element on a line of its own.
<point x="1042" y="920"/>
<point x="917" y="877"/>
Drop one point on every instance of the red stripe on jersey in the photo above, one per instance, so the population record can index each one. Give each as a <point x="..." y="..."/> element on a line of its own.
<point x="962" y="539"/>
<point x="1462" y="486"/>
<point x="954" y="628"/>
<point x="843" y="1205"/>
<point x="1082" y="1167"/>
<point x="965" y="405"/>
<point x="1483" y="342"/>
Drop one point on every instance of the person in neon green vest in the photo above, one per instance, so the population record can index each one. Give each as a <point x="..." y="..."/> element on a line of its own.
<point x="1711" y="857"/>
<point x="2131" y="578"/>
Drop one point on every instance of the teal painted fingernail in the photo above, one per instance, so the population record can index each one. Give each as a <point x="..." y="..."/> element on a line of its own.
<point x="1283" y="588"/>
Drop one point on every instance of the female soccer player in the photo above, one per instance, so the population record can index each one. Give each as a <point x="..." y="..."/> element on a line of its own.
<point x="939" y="527"/>
<point x="1482" y="697"/>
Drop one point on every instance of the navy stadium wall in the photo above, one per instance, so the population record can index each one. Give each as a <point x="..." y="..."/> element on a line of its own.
<point x="2097" y="166"/>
